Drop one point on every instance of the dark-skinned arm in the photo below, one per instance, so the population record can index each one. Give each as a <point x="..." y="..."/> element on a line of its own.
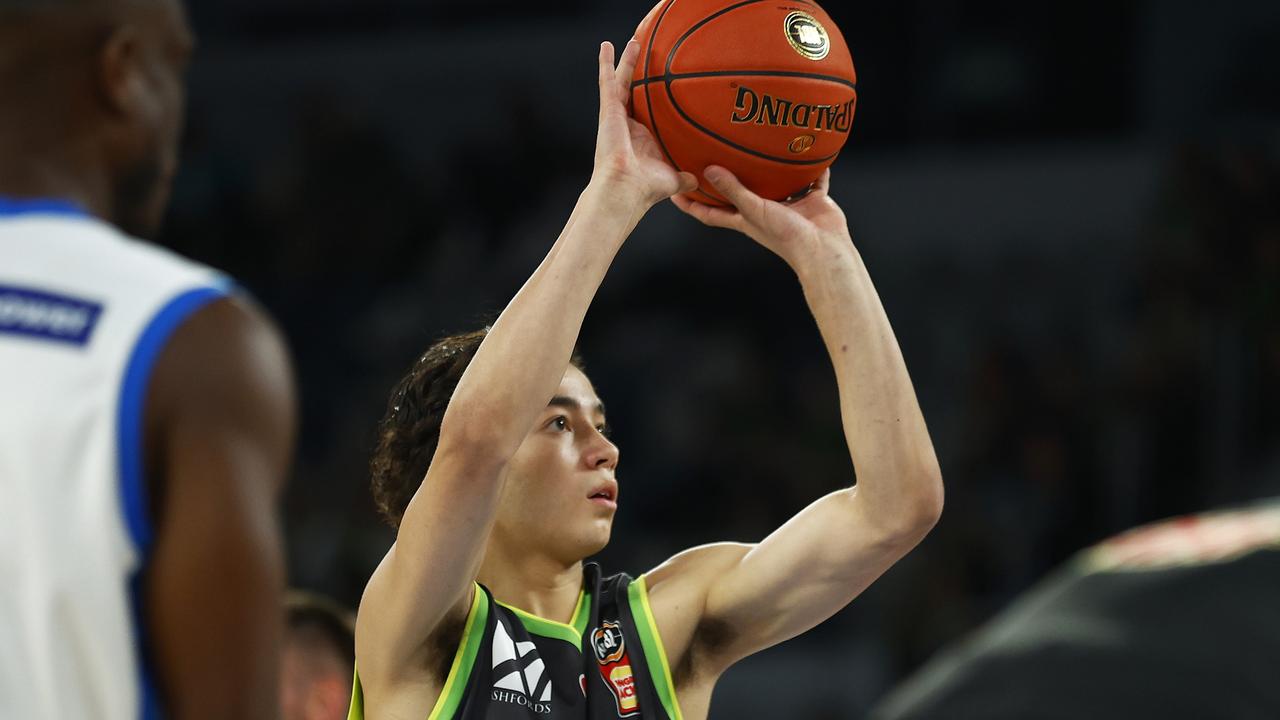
<point x="220" y="420"/>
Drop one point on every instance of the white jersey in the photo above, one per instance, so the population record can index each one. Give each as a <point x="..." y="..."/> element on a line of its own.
<point x="84" y="312"/>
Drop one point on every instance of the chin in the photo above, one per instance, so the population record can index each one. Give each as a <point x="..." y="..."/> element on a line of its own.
<point x="587" y="538"/>
<point x="596" y="541"/>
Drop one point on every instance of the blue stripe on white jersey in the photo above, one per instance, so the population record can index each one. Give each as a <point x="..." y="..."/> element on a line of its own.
<point x="88" y="313"/>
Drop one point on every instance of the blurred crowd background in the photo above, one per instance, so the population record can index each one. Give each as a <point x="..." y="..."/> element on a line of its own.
<point x="1071" y="211"/>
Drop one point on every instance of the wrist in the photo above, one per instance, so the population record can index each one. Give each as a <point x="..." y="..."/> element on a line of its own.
<point x="824" y="254"/>
<point x="607" y="213"/>
<point x="616" y="197"/>
<point x="620" y="192"/>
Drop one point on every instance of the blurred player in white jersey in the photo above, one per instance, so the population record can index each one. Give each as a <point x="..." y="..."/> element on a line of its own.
<point x="146" y="411"/>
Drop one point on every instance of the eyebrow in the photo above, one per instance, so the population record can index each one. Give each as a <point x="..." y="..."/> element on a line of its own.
<point x="571" y="404"/>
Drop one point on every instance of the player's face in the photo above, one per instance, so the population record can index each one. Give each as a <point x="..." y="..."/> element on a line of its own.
<point x="562" y="492"/>
<point x="164" y="47"/>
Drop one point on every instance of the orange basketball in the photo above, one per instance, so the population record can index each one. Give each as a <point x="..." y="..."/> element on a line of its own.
<point x="764" y="88"/>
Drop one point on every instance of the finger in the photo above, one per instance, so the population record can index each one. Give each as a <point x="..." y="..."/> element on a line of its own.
<point x="748" y="203"/>
<point x="627" y="67"/>
<point x="606" y="75"/>
<point x="688" y="182"/>
<point x="707" y="214"/>
<point x="824" y="182"/>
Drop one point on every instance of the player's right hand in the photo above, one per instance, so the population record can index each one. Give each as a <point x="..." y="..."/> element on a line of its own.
<point x="628" y="160"/>
<point x="798" y="230"/>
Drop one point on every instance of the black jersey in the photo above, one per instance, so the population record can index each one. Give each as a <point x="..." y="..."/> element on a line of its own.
<point x="608" y="662"/>
<point x="1177" y="620"/>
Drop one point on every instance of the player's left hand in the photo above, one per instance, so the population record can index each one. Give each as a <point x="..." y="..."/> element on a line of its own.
<point x="628" y="160"/>
<point x="790" y="229"/>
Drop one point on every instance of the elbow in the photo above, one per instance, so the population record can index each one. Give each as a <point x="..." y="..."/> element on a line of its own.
<point x="473" y="442"/>
<point x="929" y="507"/>
<point x="916" y="513"/>
<point x="925" y="508"/>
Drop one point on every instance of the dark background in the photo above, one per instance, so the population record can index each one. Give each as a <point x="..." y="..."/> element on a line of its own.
<point x="1071" y="211"/>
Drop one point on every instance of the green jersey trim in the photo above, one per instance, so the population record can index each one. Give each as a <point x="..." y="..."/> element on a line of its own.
<point x="570" y="633"/>
<point x="356" y="711"/>
<point x="463" y="660"/>
<point x="455" y="684"/>
<point x="654" y="653"/>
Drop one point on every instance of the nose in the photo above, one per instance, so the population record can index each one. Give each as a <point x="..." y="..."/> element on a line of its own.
<point x="600" y="453"/>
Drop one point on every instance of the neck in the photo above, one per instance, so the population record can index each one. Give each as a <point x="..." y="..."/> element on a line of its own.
<point x="533" y="582"/>
<point x="48" y="170"/>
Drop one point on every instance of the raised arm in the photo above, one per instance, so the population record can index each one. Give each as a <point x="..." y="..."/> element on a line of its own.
<point x="428" y="573"/>
<point x="815" y="564"/>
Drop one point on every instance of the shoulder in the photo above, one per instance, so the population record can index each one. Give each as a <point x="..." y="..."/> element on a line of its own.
<point x="678" y="588"/>
<point x="402" y="685"/>
<point x="223" y="382"/>
<point x="132" y="283"/>
<point x="91" y="245"/>
<point x="682" y="577"/>
<point x="694" y="568"/>
<point x="677" y="591"/>
<point x="144" y="292"/>
<point x="225" y="350"/>
<point x="388" y="655"/>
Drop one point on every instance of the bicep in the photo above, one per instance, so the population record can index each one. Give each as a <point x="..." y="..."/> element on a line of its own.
<point x="221" y="417"/>
<point x="798" y="576"/>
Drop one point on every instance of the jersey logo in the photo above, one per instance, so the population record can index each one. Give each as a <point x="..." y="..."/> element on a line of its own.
<point x="520" y="673"/>
<point x="46" y="316"/>
<point x="615" y="667"/>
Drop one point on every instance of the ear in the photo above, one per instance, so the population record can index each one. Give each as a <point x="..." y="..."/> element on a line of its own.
<point x="120" y="76"/>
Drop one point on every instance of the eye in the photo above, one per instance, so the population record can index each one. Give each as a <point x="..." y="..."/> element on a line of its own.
<point x="559" y="422"/>
<point x="604" y="429"/>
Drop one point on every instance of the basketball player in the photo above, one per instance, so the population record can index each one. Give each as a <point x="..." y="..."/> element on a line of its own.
<point x="500" y="486"/>
<point x="146" y="411"/>
<point x="318" y="659"/>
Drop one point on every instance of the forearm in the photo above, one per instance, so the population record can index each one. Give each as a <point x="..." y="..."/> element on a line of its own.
<point x="521" y="361"/>
<point x="899" y="481"/>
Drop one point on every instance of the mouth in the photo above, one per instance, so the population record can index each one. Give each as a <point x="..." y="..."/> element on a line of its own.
<point x="606" y="495"/>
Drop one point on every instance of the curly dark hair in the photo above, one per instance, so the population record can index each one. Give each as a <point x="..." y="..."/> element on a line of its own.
<point x="410" y="430"/>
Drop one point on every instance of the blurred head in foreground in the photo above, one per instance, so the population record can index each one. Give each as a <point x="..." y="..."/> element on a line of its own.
<point x="94" y="92"/>
<point x="318" y="659"/>
<point x="1175" y="620"/>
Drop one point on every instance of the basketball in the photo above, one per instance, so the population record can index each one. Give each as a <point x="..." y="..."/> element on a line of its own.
<point x="765" y="89"/>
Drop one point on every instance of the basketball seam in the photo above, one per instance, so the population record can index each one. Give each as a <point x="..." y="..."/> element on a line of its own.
<point x="710" y="197"/>
<point x="667" y="78"/>
<point x="743" y="73"/>
<point x="666" y="70"/>
<point x="648" y="99"/>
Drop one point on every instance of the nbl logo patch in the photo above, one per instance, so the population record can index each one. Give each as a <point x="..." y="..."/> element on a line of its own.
<point x="615" y="667"/>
